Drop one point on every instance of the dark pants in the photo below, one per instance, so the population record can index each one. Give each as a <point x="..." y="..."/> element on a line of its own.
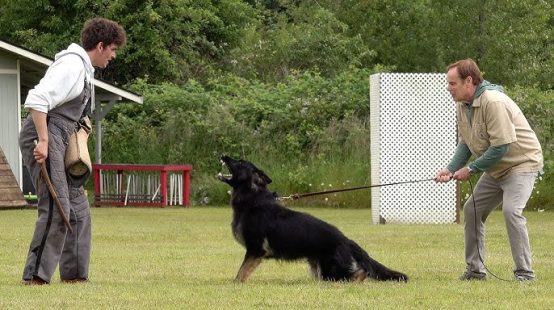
<point x="52" y="243"/>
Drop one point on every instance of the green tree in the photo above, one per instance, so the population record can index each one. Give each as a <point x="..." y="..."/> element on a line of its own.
<point x="511" y="40"/>
<point x="298" y="37"/>
<point x="401" y="32"/>
<point x="168" y="39"/>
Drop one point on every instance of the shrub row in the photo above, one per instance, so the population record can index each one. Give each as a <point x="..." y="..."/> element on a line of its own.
<point x="308" y="133"/>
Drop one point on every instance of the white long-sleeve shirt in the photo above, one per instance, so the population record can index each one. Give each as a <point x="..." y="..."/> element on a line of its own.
<point x="64" y="80"/>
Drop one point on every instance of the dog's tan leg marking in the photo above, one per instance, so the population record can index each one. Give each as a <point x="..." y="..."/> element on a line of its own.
<point x="247" y="267"/>
<point x="315" y="268"/>
<point x="359" y="276"/>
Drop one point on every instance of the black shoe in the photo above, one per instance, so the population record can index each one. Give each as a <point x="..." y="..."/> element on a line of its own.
<point x="34" y="281"/>
<point x="77" y="280"/>
<point x="469" y="275"/>
<point x="524" y="277"/>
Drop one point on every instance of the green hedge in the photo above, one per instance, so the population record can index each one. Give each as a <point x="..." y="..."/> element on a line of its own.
<point x="308" y="133"/>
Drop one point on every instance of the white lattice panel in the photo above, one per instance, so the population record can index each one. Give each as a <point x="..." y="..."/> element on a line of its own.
<point x="413" y="134"/>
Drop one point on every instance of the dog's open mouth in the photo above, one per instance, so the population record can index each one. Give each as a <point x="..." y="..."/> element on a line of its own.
<point x="224" y="177"/>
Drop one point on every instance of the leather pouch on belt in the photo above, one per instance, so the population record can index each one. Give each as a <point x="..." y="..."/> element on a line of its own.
<point x="77" y="158"/>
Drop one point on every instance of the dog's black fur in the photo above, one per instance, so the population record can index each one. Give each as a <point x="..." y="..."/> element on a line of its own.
<point x="268" y="230"/>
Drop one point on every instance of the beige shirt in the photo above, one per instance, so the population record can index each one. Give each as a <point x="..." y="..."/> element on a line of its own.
<point x="497" y="120"/>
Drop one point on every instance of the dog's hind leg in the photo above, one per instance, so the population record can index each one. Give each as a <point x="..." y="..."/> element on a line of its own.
<point x="359" y="276"/>
<point x="315" y="268"/>
<point x="248" y="265"/>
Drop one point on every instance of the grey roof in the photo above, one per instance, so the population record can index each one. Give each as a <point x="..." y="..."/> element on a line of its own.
<point x="33" y="66"/>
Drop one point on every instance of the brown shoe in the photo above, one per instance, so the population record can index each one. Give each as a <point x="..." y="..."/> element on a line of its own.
<point x="34" y="281"/>
<point x="77" y="280"/>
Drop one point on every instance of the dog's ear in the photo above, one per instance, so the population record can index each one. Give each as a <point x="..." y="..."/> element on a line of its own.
<point x="267" y="180"/>
<point x="259" y="180"/>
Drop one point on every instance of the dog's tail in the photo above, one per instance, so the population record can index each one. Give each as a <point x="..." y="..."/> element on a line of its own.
<point x="373" y="268"/>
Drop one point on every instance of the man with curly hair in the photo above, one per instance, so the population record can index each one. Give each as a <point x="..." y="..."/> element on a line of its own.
<point x="63" y="97"/>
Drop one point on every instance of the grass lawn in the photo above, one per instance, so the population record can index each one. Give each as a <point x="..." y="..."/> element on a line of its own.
<point x="186" y="259"/>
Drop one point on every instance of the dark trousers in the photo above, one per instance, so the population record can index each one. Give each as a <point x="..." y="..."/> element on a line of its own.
<point x="52" y="244"/>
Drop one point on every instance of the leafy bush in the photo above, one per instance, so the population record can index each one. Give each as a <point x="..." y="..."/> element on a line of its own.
<point x="538" y="107"/>
<point x="303" y="127"/>
<point x="309" y="133"/>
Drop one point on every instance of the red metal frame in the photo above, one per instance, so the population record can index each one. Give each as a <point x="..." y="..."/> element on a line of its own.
<point x="163" y="169"/>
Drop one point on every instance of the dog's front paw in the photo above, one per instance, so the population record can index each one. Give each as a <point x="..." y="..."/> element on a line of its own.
<point x="238" y="280"/>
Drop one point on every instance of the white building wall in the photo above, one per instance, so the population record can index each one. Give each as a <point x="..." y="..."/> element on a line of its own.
<point x="10" y="111"/>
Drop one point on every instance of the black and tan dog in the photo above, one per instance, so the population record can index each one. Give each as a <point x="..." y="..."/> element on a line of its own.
<point x="268" y="230"/>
